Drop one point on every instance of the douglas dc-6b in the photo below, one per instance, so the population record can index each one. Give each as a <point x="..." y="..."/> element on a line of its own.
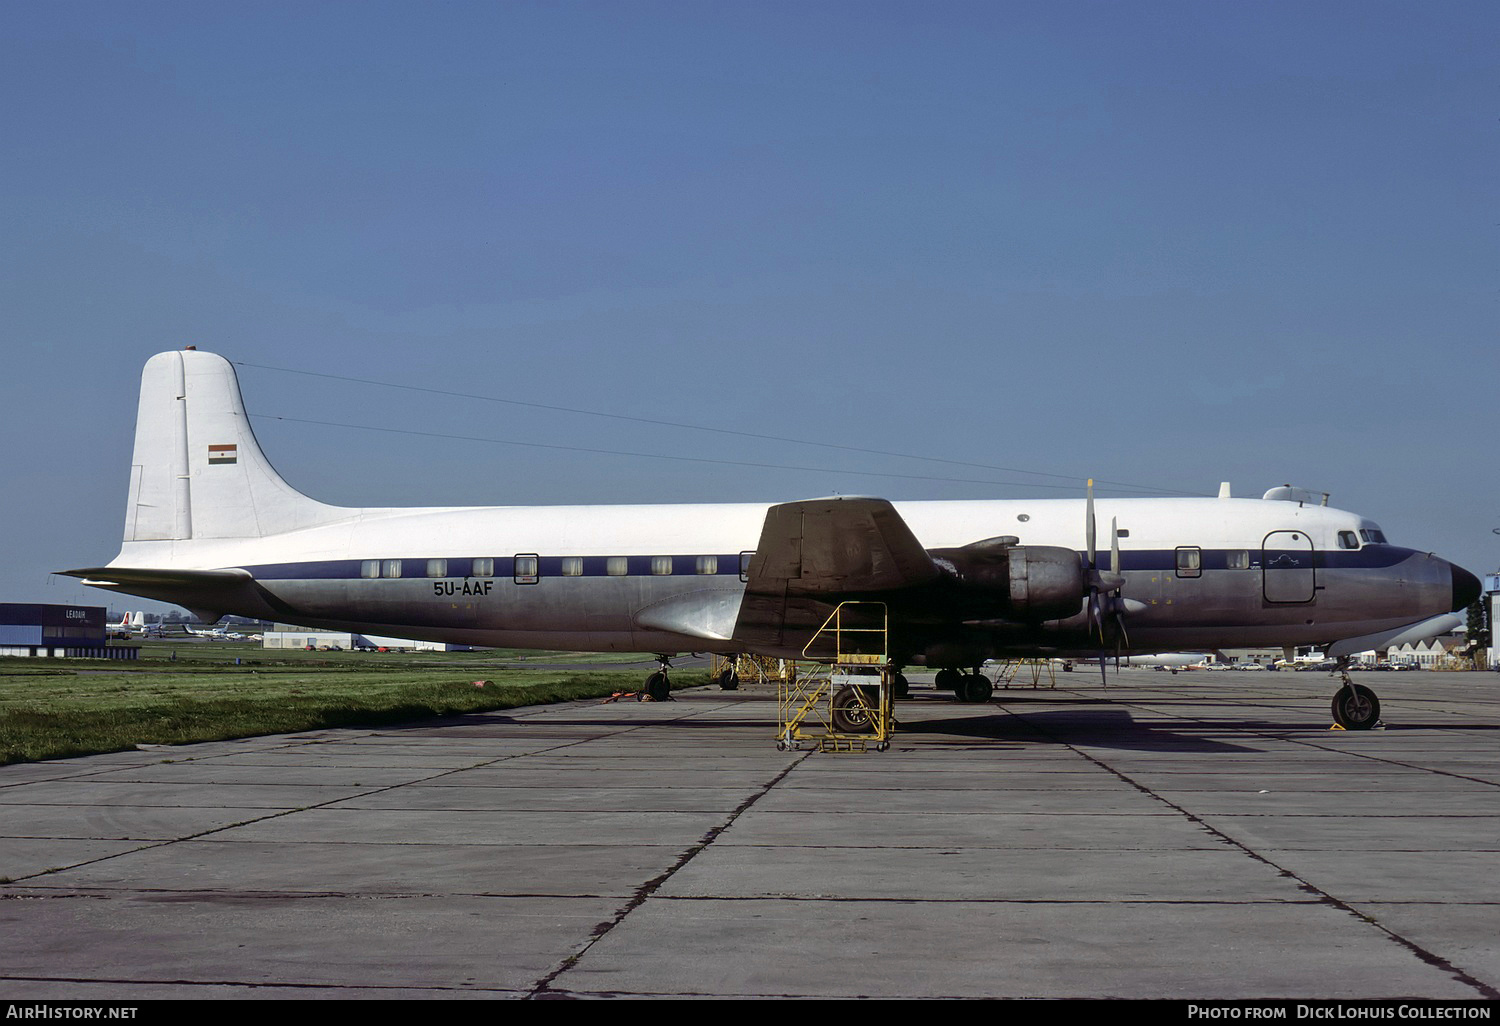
<point x="211" y="526"/>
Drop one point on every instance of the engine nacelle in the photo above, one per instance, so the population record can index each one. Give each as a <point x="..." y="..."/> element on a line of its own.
<point x="1046" y="582"/>
<point x="1041" y="582"/>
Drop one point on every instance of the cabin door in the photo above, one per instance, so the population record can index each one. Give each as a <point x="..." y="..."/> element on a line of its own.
<point x="1286" y="561"/>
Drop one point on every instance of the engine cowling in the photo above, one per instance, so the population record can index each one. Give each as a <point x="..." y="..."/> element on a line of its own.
<point x="1040" y="582"/>
<point x="1046" y="582"/>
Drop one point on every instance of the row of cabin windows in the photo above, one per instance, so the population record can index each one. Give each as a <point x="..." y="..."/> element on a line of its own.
<point x="1190" y="560"/>
<point x="527" y="567"/>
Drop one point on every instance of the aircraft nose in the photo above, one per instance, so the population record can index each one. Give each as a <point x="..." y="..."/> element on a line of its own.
<point x="1466" y="588"/>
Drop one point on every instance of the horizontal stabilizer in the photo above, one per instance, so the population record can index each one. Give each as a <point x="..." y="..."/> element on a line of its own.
<point x="207" y="593"/>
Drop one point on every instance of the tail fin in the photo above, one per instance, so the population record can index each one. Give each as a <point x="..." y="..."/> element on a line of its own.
<point x="197" y="471"/>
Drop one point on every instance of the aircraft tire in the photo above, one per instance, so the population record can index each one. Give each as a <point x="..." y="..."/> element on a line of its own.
<point x="849" y="714"/>
<point x="948" y="680"/>
<point x="975" y="689"/>
<point x="658" y="688"/>
<point x="727" y="679"/>
<point x="899" y="686"/>
<point x="1355" y="707"/>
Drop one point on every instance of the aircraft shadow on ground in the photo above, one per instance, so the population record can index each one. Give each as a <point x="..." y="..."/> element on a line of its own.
<point x="1107" y="728"/>
<point x="1084" y="721"/>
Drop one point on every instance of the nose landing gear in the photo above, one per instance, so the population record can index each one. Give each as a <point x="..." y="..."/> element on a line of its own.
<point x="1355" y="706"/>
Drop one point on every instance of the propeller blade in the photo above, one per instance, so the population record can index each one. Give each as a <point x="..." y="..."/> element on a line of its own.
<point x="1089" y="526"/>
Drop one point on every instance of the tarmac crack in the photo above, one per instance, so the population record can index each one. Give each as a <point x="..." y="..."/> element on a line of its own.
<point x="1293" y="736"/>
<point x="544" y="990"/>
<point x="279" y="813"/>
<point x="1422" y="954"/>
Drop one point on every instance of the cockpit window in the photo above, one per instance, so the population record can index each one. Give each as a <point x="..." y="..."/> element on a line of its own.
<point x="1348" y="540"/>
<point x="1373" y="534"/>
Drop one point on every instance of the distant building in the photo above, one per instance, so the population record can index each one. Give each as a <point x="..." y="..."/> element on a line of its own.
<point x="72" y="632"/>
<point x="1492" y="596"/>
<point x="1444" y="652"/>
<point x="287" y="636"/>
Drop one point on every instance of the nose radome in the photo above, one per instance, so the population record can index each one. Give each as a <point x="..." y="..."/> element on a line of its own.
<point x="1466" y="588"/>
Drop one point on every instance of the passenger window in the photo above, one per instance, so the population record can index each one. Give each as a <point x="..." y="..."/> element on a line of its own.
<point x="1189" y="561"/>
<point x="437" y="568"/>
<point x="572" y="566"/>
<point x="390" y="568"/>
<point x="484" y="568"/>
<point x="1237" y="559"/>
<point x="526" y="569"/>
<point x="617" y="566"/>
<point x="661" y="566"/>
<point x="369" y="568"/>
<point x="707" y="565"/>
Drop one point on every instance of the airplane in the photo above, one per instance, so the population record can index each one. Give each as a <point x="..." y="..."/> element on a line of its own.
<point x="220" y="633"/>
<point x="1173" y="661"/>
<point x="133" y="625"/>
<point x="126" y="628"/>
<point x="211" y="526"/>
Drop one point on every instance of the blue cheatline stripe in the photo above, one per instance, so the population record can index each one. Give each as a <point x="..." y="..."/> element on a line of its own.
<point x="1158" y="560"/>
<point x="415" y="567"/>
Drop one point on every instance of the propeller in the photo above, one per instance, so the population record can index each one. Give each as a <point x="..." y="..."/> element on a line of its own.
<point x="1116" y="600"/>
<point x="1104" y="586"/>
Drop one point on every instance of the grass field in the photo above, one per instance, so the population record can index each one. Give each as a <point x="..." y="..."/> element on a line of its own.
<point x="185" y="691"/>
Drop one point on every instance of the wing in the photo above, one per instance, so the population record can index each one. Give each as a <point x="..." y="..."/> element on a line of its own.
<point x="814" y="553"/>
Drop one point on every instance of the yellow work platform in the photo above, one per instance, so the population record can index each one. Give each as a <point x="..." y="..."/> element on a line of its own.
<point x="844" y="703"/>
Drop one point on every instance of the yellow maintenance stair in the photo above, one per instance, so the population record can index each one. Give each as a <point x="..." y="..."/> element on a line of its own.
<point x="844" y="703"/>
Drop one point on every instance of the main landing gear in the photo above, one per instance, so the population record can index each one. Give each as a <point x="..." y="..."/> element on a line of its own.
<point x="1355" y="706"/>
<point x="974" y="688"/>
<point x="900" y="688"/>
<point x="658" y="688"/>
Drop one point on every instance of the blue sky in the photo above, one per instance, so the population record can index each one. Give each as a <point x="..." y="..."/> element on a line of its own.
<point x="1166" y="244"/>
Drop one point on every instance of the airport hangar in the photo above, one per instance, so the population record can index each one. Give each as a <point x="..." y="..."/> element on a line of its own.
<point x="63" y="632"/>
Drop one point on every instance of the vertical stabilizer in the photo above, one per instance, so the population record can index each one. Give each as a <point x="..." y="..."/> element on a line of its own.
<point x="197" y="471"/>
